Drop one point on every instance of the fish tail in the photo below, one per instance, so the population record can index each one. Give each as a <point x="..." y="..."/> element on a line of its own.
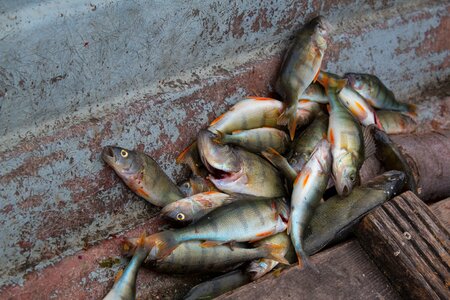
<point x="289" y="118"/>
<point x="304" y="262"/>
<point x="275" y="252"/>
<point x="160" y="244"/>
<point x="184" y="155"/>
<point x="128" y="246"/>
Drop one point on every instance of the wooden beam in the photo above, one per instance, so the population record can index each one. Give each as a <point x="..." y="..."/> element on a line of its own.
<point x="345" y="272"/>
<point x="410" y="246"/>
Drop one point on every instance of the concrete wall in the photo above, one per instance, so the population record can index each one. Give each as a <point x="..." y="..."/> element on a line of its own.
<point x="77" y="76"/>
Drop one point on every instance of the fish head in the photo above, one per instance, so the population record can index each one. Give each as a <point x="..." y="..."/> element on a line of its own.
<point x="358" y="82"/>
<point x="345" y="174"/>
<point x="216" y="157"/>
<point x="179" y="211"/>
<point x="391" y="182"/>
<point x="258" y="268"/>
<point x="125" y="162"/>
<point x="186" y="188"/>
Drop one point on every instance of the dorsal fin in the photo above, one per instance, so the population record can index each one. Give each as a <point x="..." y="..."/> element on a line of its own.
<point x="369" y="142"/>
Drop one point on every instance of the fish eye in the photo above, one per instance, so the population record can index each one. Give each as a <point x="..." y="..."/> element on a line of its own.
<point x="124" y="153"/>
<point x="352" y="177"/>
<point x="180" y="216"/>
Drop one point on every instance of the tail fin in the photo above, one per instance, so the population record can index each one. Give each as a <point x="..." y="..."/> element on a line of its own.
<point x="159" y="245"/>
<point x="184" y="155"/>
<point x="280" y="162"/>
<point x="276" y="253"/>
<point x="289" y="118"/>
<point x="129" y="246"/>
<point x="305" y="263"/>
<point x="412" y="110"/>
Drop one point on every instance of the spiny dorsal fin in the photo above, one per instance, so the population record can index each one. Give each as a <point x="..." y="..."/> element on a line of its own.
<point x="369" y="142"/>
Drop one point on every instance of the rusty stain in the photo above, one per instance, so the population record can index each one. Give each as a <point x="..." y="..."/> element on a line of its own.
<point x="57" y="78"/>
<point x="436" y="39"/>
<point x="236" y="26"/>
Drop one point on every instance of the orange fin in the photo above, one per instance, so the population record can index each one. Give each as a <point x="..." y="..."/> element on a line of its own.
<point x="260" y="98"/>
<point x="305" y="181"/>
<point x="142" y="193"/>
<point x="141" y="241"/>
<point x="316" y="76"/>
<point x="265" y="233"/>
<point x="209" y="244"/>
<point x="217" y="120"/>
<point x="118" y="275"/>
<point x="331" y="136"/>
<point x="412" y="110"/>
<point x="182" y="156"/>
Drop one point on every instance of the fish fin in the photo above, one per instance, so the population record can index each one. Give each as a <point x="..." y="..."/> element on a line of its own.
<point x="340" y="84"/>
<point x="260" y="98"/>
<point x="182" y="157"/>
<point x="289" y="118"/>
<point x="118" y="275"/>
<point x="277" y="272"/>
<point x="128" y="246"/>
<point x="160" y="244"/>
<point x="328" y="108"/>
<point x="305" y="263"/>
<point x="316" y="76"/>
<point x="265" y="233"/>
<point x="141" y="241"/>
<point x="377" y="121"/>
<point x="275" y="253"/>
<point x="216" y="120"/>
<point x="369" y="142"/>
<point x="237" y="131"/>
<point x="209" y="244"/>
<point x="280" y="162"/>
<point x="412" y="109"/>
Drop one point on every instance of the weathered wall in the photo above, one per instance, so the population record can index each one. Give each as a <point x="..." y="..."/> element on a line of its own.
<point x="76" y="77"/>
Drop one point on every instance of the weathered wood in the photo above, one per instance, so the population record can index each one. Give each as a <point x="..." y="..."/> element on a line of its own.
<point x="410" y="246"/>
<point x="428" y="155"/>
<point x="345" y="272"/>
<point x="441" y="210"/>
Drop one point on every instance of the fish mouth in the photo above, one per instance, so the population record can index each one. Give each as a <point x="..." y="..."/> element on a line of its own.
<point x="108" y="155"/>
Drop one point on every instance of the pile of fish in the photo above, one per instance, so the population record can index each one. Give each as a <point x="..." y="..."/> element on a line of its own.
<point x="272" y="182"/>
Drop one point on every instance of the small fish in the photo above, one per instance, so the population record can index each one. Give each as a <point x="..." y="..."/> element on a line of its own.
<point x="237" y="171"/>
<point x="358" y="107"/>
<point x="191" y="257"/>
<point x="192" y="208"/>
<point x="125" y="285"/>
<point x="309" y="187"/>
<point x="240" y="221"/>
<point x="316" y="93"/>
<point x="218" y="286"/>
<point x="253" y="112"/>
<point x="191" y="158"/>
<point x="334" y="219"/>
<point x="262" y="266"/>
<point x="304" y="145"/>
<point x="344" y="135"/>
<point x="142" y="175"/>
<point x="376" y="93"/>
<point x="300" y="68"/>
<point x="396" y="123"/>
<point x="256" y="140"/>
<point x="196" y="185"/>
<point x="306" y="112"/>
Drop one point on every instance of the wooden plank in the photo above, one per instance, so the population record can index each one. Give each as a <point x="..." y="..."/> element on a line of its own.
<point x="441" y="210"/>
<point x="410" y="245"/>
<point x="345" y="272"/>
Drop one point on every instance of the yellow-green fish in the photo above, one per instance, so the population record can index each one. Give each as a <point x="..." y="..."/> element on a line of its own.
<point x="142" y="175"/>
<point x="376" y="93"/>
<point x="237" y="171"/>
<point x="240" y="221"/>
<point x="306" y="112"/>
<point x="345" y="136"/>
<point x="253" y="112"/>
<point x="125" y="284"/>
<point x="192" y="208"/>
<point x="309" y="187"/>
<point x="256" y="140"/>
<point x="396" y="123"/>
<point x="196" y="185"/>
<point x="300" y="68"/>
